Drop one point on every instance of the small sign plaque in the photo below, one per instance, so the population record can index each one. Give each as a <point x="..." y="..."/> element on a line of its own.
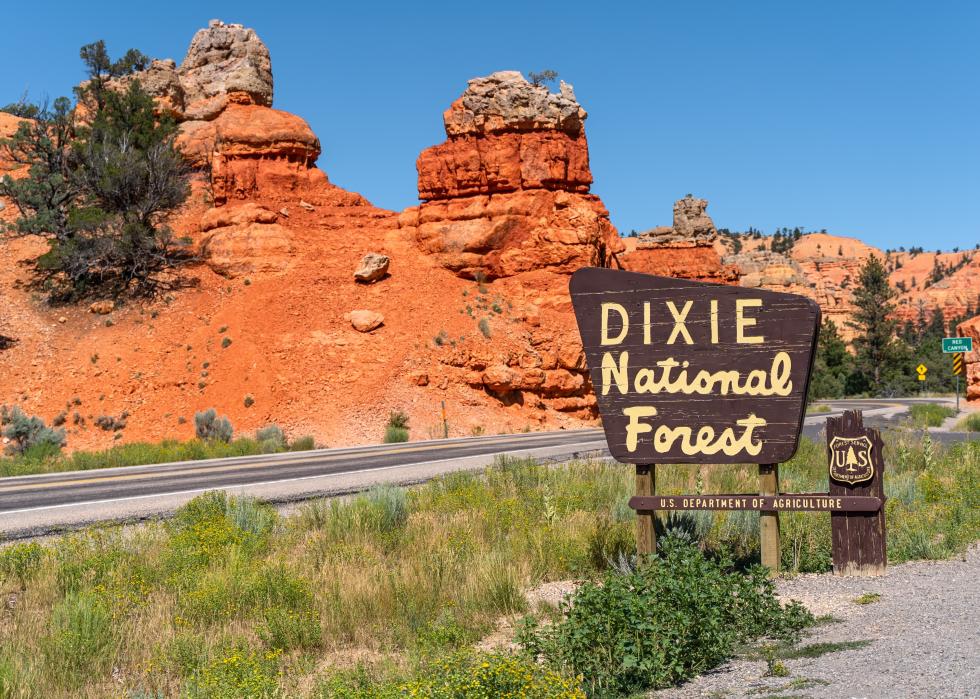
<point x="957" y="344"/>
<point x="798" y="502"/>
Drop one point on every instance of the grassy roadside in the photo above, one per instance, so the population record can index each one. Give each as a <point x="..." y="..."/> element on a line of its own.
<point x="971" y="423"/>
<point x="929" y="414"/>
<point x="44" y="459"/>
<point x="369" y="596"/>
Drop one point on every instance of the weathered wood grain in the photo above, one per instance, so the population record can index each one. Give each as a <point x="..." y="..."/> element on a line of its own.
<point x="858" y="538"/>
<point x="646" y="485"/>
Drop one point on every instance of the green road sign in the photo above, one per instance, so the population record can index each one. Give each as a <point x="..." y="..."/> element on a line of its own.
<point x="957" y="344"/>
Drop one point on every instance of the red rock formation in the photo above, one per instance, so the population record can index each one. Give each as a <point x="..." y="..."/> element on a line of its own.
<point x="506" y="198"/>
<point x="685" y="249"/>
<point x="221" y="95"/>
<point x="954" y="294"/>
<point x="508" y="191"/>
<point x="827" y="269"/>
<point x="260" y="149"/>
<point x="245" y="239"/>
<point x="505" y="162"/>
<point x="971" y="328"/>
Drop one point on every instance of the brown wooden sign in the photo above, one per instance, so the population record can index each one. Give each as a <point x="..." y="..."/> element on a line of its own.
<point x="857" y="538"/>
<point x="688" y="372"/>
<point x="790" y="502"/>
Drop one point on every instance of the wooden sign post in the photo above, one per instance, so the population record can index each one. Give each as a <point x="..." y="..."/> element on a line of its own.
<point x="769" y="521"/>
<point x="646" y="535"/>
<point x="856" y="465"/>
<point x="687" y="372"/>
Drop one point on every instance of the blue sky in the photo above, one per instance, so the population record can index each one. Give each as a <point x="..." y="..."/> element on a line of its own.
<point x="857" y="117"/>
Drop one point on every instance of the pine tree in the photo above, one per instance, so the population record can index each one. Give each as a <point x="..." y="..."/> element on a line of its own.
<point x="875" y="349"/>
<point x="832" y="364"/>
<point x="100" y="190"/>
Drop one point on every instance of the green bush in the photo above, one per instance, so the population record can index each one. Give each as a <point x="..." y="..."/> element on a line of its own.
<point x="389" y="507"/>
<point x="397" y="428"/>
<point x="361" y="682"/>
<point x="80" y="642"/>
<point x="100" y="190"/>
<point x="395" y="434"/>
<point x="933" y="499"/>
<point x="468" y="675"/>
<point x="26" y="433"/>
<point x="285" y="629"/>
<point x="971" y="423"/>
<point x="270" y="432"/>
<point x="211" y="525"/>
<point x="238" y="672"/>
<point x="398" y="418"/>
<point x="670" y="619"/>
<point x="305" y="443"/>
<point x="271" y="437"/>
<point x="20" y="562"/>
<point x="929" y="414"/>
<point x="209" y="427"/>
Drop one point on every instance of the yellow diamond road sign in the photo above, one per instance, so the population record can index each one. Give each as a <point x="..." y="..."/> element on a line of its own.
<point x="922" y="369"/>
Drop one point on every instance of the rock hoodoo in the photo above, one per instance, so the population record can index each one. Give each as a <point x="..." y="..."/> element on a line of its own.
<point x="691" y="220"/>
<point x="508" y="192"/>
<point x="223" y="60"/>
<point x="685" y="249"/>
<point x="222" y="96"/>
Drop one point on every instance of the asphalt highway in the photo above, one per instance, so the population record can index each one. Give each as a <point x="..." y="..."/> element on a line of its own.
<point x="60" y="488"/>
<point x="35" y="504"/>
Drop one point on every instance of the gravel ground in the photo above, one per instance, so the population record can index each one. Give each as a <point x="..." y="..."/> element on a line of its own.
<point x="923" y="639"/>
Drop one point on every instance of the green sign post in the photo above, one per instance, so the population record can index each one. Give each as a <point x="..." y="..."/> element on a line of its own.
<point x="956" y="346"/>
<point x="952" y="345"/>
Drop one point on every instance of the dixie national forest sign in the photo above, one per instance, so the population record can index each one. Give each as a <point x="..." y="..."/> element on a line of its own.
<point x="688" y="372"/>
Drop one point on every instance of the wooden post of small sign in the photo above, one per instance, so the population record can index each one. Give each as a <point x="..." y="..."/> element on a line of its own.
<point x="856" y="465"/>
<point x="769" y="521"/>
<point x="646" y="484"/>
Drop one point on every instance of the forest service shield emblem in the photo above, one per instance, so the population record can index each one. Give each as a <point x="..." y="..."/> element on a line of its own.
<point x="850" y="459"/>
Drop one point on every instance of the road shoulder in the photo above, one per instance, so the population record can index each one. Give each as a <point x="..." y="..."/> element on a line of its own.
<point x="916" y="635"/>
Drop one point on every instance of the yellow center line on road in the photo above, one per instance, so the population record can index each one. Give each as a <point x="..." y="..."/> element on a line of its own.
<point x="233" y="467"/>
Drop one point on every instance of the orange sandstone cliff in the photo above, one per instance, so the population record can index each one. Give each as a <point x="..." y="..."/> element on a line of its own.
<point x="827" y="269"/>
